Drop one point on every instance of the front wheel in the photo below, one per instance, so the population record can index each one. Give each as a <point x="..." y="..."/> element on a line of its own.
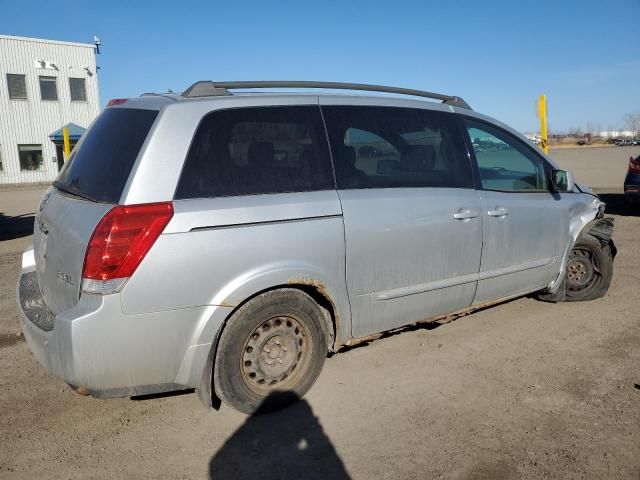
<point x="589" y="270"/>
<point x="271" y="351"/>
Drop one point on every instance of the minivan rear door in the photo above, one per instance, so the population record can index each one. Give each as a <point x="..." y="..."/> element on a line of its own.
<point x="89" y="185"/>
<point x="412" y="217"/>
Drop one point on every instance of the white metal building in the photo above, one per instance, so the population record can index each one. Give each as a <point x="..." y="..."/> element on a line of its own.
<point x="45" y="85"/>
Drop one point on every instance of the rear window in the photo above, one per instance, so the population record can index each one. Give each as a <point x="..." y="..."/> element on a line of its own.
<point x="249" y="151"/>
<point x="100" y="165"/>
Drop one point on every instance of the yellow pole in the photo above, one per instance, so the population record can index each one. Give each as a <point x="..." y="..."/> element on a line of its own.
<point x="67" y="147"/>
<point x="542" y="113"/>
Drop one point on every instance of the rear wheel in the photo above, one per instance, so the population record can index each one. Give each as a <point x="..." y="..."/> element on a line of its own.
<point x="589" y="270"/>
<point x="271" y="351"/>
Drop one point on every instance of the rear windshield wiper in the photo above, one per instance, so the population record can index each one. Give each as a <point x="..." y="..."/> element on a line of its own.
<point x="73" y="191"/>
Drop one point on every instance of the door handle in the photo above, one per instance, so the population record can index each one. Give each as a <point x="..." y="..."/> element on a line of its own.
<point x="498" y="212"/>
<point x="465" y="214"/>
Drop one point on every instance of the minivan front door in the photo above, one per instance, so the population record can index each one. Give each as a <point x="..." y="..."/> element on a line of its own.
<point x="525" y="224"/>
<point x="413" y="225"/>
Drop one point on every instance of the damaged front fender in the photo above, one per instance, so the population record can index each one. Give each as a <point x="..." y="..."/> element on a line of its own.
<point x="602" y="229"/>
<point x="586" y="219"/>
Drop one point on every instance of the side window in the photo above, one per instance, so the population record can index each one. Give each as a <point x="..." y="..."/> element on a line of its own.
<point x="365" y="150"/>
<point x="48" y="88"/>
<point x="77" y="89"/>
<point x="503" y="162"/>
<point x="17" y="86"/>
<point x="389" y="147"/>
<point x="248" y="151"/>
<point x="30" y="157"/>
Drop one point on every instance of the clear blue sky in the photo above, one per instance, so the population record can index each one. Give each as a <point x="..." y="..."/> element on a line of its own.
<point x="497" y="55"/>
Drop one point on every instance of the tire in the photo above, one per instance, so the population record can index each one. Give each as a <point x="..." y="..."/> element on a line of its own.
<point x="589" y="270"/>
<point x="271" y="351"/>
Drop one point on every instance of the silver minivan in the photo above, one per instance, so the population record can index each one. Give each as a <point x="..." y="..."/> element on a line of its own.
<point x="227" y="242"/>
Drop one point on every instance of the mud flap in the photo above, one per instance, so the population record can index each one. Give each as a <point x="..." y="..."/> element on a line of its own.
<point x="206" y="390"/>
<point x="557" y="296"/>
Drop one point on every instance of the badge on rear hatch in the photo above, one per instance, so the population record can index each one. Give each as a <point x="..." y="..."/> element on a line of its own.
<point x="66" y="278"/>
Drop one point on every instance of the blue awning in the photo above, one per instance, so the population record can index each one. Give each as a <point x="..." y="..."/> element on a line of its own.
<point x="75" y="132"/>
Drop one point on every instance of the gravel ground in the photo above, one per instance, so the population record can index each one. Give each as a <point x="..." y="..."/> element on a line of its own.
<point x="521" y="390"/>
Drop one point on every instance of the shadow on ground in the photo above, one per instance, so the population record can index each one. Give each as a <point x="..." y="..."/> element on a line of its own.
<point x="286" y="444"/>
<point x="16" y="227"/>
<point x="617" y="205"/>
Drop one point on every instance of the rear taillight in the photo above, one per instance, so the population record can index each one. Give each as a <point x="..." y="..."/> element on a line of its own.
<point x="119" y="243"/>
<point x="634" y="164"/>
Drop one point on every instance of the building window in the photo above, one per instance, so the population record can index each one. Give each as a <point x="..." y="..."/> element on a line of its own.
<point x="17" y="85"/>
<point x="78" y="90"/>
<point x="48" y="90"/>
<point x="30" y="157"/>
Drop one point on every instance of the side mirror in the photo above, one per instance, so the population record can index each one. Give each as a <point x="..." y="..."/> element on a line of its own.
<point x="562" y="181"/>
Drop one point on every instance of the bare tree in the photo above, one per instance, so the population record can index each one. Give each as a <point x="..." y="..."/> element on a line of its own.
<point x="589" y="127"/>
<point x="632" y="122"/>
<point x="611" y="131"/>
<point x="575" y="132"/>
<point x="598" y="132"/>
<point x="589" y="130"/>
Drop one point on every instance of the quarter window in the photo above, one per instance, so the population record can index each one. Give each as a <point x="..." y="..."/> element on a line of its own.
<point x="78" y="90"/>
<point x="48" y="89"/>
<point x="389" y="147"/>
<point x="17" y="86"/>
<point x="30" y="157"/>
<point x="248" y="151"/>
<point x="504" y="163"/>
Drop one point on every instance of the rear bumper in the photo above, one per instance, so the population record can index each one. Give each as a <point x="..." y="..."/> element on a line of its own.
<point x="96" y="346"/>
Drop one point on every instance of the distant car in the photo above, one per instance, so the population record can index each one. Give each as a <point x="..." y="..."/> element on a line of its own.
<point x="632" y="181"/>
<point x="583" y="142"/>
<point x="624" y="143"/>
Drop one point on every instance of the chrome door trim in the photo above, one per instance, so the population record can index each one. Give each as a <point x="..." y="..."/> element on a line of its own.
<point x="424" y="287"/>
<point x="516" y="268"/>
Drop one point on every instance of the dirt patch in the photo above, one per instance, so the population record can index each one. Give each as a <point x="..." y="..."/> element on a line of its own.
<point x="520" y="390"/>
<point x="8" y="339"/>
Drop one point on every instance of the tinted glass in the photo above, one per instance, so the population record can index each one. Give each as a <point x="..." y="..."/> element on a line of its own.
<point x="17" y="86"/>
<point x="77" y="90"/>
<point x="248" y="151"/>
<point x="388" y="147"/>
<point x="48" y="90"/>
<point x="100" y="164"/>
<point x="504" y="162"/>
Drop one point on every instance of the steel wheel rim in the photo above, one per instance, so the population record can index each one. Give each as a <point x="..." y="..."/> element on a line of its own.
<point x="582" y="270"/>
<point x="275" y="355"/>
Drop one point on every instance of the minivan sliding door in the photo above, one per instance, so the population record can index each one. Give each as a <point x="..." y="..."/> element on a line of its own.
<point x="412" y="217"/>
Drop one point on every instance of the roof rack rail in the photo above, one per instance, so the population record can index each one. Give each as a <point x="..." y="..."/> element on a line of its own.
<point x="208" y="88"/>
<point x="170" y="95"/>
